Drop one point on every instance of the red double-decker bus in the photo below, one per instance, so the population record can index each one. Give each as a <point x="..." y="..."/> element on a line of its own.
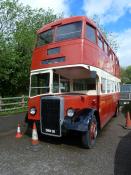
<point x="74" y="80"/>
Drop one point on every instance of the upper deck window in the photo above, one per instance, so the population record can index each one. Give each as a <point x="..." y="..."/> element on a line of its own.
<point x="45" y="37"/>
<point x="69" y="31"/>
<point x="106" y="47"/>
<point x="100" y="41"/>
<point x="90" y="33"/>
<point x="111" y="58"/>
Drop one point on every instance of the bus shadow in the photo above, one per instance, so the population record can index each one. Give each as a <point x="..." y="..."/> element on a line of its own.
<point x="122" y="162"/>
<point x="72" y="140"/>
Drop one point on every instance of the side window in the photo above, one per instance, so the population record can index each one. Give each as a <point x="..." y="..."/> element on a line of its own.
<point x="105" y="48"/>
<point x="112" y="86"/>
<point x="110" y="55"/>
<point x="113" y="57"/>
<point x="115" y="87"/>
<point x="90" y="33"/>
<point x="116" y="62"/>
<point x="108" y="86"/>
<point x="100" y="42"/>
<point x="103" y="85"/>
<point x="118" y="87"/>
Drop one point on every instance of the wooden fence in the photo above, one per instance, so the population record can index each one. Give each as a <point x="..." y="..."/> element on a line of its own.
<point x="13" y="103"/>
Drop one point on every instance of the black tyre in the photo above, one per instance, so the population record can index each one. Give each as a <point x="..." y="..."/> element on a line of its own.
<point x="29" y="129"/>
<point x="116" y="112"/>
<point x="28" y="125"/>
<point x="89" y="137"/>
<point x="26" y="118"/>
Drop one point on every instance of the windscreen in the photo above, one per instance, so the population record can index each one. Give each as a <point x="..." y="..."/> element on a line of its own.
<point x="60" y="84"/>
<point x="39" y="84"/>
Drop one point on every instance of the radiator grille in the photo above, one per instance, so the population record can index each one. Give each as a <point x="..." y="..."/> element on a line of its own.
<point x="50" y="116"/>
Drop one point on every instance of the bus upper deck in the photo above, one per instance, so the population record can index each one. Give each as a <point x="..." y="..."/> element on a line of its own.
<point x="72" y="41"/>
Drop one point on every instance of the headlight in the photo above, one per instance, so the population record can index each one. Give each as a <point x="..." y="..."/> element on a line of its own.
<point x="33" y="111"/>
<point x="70" y="112"/>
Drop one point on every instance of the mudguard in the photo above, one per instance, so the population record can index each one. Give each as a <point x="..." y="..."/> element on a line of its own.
<point x="80" y="121"/>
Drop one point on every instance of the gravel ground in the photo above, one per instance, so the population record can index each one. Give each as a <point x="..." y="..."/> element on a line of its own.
<point x="111" y="155"/>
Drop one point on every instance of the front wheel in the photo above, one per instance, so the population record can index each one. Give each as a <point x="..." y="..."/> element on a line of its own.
<point x="89" y="137"/>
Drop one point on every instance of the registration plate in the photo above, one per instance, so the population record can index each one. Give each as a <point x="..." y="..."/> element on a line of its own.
<point x="50" y="131"/>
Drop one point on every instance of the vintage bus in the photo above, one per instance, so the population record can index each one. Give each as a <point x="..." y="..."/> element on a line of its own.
<point x="125" y="94"/>
<point x="74" y="80"/>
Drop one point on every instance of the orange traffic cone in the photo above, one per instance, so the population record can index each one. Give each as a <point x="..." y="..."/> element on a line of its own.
<point x="128" y="121"/>
<point x="18" y="133"/>
<point x="34" y="135"/>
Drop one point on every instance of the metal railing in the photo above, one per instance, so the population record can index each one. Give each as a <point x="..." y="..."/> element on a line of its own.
<point x="13" y="103"/>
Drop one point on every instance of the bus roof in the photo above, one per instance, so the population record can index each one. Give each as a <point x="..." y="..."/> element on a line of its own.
<point x="70" y="20"/>
<point x="66" y="21"/>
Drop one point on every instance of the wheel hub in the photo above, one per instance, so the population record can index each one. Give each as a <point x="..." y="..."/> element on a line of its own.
<point x="93" y="131"/>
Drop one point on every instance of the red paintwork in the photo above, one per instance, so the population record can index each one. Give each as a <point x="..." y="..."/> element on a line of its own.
<point x="34" y="102"/>
<point x="78" y="51"/>
<point x="101" y="103"/>
<point x="77" y="102"/>
<point x="107" y="107"/>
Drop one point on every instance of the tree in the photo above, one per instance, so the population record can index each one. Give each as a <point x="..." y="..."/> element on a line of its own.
<point x="126" y="75"/>
<point x="9" y="14"/>
<point x="109" y="36"/>
<point x="18" y="26"/>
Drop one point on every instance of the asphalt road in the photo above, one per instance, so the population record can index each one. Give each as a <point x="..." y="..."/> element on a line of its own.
<point x="8" y="124"/>
<point x="111" y="155"/>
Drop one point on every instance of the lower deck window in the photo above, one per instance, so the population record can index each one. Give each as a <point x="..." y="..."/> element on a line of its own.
<point x="84" y="84"/>
<point x="60" y="84"/>
<point x="62" y="81"/>
<point x="103" y="85"/>
<point x="108" y="86"/>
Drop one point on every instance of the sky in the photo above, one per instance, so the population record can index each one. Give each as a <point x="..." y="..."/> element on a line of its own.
<point x="114" y="15"/>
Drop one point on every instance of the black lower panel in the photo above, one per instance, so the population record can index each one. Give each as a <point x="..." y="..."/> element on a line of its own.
<point x="50" y="116"/>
